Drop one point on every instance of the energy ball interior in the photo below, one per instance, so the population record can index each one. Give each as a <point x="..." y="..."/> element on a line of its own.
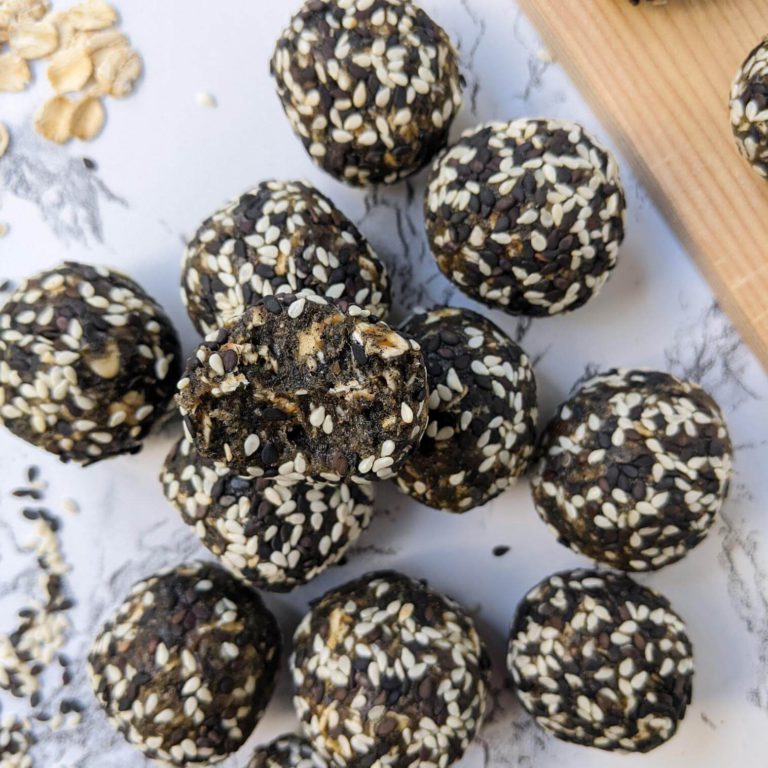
<point x="482" y="411"/>
<point x="88" y="362"/>
<point x="281" y="237"/>
<point x="272" y="535"/>
<point x="371" y="87"/>
<point x="389" y="672"/>
<point x="634" y="468"/>
<point x="186" y="666"/>
<point x="526" y="216"/>
<point x="601" y="661"/>
<point x="749" y="108"/>
<point x="296" y="388"/>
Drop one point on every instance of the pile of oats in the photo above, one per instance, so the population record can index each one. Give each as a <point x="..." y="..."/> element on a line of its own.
<point x="88" y="60"/>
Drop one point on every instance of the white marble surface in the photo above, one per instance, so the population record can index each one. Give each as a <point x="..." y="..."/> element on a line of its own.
<point x="164" y="162"/>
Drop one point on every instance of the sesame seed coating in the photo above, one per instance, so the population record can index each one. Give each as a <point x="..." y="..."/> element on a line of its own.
<point x="187" y="664"/>
<point x="526" y="216"/>
<point x="280" y="237"/>
<point x="749" y="108"/>
<point x="482" y="411"/>
<point x="601" y="661"/>
<point x="287" y="751"/>
<point x="634" y="468"/>
<point x="297" y="388"/>
<point x="88" y="362"/>
<point x="274" y="536"/>
<point x="388" y="672"/>
<point x="371" y="87"/>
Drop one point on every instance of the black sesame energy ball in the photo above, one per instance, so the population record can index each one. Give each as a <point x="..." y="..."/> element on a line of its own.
<point x="273" y="536"/>
<point x="634" y="468"/>
<point x="749" y="108"/>
<point x="482" y="411"/>
<point x="388" y="672"/>
<point x="186" y="666"/>
<point x="280" y="237"/>
<point x="287" y="751"/>
<point x="601" y="661"/>
<point x="371" y="87"/>
<point x="88" y="362"/>
<point x="526" y="216"/>
<point x="297" y="389"/>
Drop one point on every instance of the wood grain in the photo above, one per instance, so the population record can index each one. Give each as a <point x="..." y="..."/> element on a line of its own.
<point x="659" y="77"/>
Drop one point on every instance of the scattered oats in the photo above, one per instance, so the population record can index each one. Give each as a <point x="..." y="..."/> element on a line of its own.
<point x="69" y="70"/>
<point x="53" y="119"/>
<point x="91" y="16"/>
<point x="103" y="39"/>
<point x="33" y="39"/>
<point x="117" y="71"/>
<point x="14" y="73"/>
<point x="88" y="119"/>
<point x="5" y="139"/>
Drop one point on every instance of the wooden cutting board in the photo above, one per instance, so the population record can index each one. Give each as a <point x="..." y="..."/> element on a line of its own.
<point x="659" y="78"/>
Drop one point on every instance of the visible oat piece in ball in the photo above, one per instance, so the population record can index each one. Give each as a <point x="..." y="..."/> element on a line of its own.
<point x="280" y="237"/>
<point x="187" y="664"/>
<point x="287" y="751"/>
<point x="88" y="362"/>
<point x="389" y="672"/>
<point x="482" y="411"/>
<point x="749" y="108"/>
<point x="371" y="87"/>
<point x="601" y="661"/>
<point x="296" y="388"/>
<point x="272" y="535"/>
<point x="634" y="469"/>
<point x="526" y="216"/>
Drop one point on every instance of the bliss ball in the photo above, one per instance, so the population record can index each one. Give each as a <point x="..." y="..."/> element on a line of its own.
<point x="271" y="535"/>
<point x="371" y="87"/>
<point x="749" y="108"/>
<point x="297" y="389"/>
<point x="634" y="468"/>
<point x="287" y="751"/>
<point x="526" y="216"/>
<point x="601" y="661"/>
<point x="482" y="411"/>
<point x="280" y="237"/>
<point x="88" y="362"/>
<point x="186" y="666"/>
<point x="389" y="672"/>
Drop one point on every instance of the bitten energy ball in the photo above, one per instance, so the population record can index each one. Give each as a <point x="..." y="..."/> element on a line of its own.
<point x="634" y="468"/>
<point x="297" y="389"/>
<point x="389" y="672"/>
<point x="88" y="362"/>
<point x="526" y="216"/>
<point x="482" y="411"/>
<point x="280" y="237"/>
<point x="749" y="108"/>
<point x="186" y="666"/>
<point x="274" y="536"/>
<point x="371" y="87"/>
<point x="601" y="661"/>
<point x="287" y="752"/>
